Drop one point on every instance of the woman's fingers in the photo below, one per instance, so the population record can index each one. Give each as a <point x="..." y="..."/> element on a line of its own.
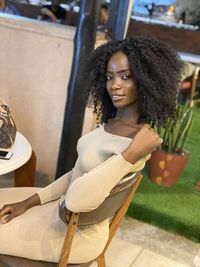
<point x="8" y="218"/>
<point x="10" y="211"/>
<point x="5" y="210"/>
<point x="150" y="137"/>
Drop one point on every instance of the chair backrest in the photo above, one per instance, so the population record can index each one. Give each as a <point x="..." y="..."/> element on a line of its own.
<point x="109" y="206"/>
<point x="115" y="204"/>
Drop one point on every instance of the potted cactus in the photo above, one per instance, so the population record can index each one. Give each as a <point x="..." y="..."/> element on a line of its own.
<point x="167" y="163"/>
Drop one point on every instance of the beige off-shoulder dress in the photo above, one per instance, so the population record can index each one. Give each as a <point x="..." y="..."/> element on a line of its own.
<point x="39" y="233"/>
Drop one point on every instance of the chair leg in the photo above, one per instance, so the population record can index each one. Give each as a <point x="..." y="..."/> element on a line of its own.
<point x="25" y="175"/>
<point x="64" y="255"/>
<point x="101" y="261"/>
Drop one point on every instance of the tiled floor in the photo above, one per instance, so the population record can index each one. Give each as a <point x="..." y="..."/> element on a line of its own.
<point x="138" y="244"/>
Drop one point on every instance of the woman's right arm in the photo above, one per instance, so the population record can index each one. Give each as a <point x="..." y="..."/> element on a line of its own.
<point x="56" y="189"/>
<point x="49" y="193"/>
<point x="10" y="211"/>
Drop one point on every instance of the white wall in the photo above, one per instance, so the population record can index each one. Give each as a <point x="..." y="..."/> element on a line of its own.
<point x="35" y="62"/>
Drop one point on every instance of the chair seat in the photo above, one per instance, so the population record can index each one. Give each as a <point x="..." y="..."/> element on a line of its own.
<point x="11" y="261"/>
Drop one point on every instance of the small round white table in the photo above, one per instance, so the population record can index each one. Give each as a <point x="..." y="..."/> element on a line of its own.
<point x="23" y="162"/>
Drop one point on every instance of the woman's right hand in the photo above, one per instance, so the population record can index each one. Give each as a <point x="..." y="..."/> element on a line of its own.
<point x="145" y="142"/>
<point x="10" y="211"/>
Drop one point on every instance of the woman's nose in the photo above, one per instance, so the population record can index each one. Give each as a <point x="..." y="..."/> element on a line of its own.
<point x="115" y="84"/>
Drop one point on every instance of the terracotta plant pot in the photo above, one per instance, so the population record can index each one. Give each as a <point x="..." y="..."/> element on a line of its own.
<point x="165" y="168"/>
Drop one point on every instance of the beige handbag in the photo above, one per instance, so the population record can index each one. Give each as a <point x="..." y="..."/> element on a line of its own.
<point x="7" y="126"/>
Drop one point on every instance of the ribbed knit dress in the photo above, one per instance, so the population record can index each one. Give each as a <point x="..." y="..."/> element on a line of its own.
<point x="39" y="233"/>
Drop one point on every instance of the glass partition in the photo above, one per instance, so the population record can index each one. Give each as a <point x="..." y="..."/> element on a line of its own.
<point x="180" y="11"/>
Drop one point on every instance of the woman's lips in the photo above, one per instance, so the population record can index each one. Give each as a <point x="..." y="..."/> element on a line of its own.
<point x="117" y="97"/>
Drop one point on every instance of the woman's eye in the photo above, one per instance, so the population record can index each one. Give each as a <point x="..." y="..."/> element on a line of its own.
<point x="126" y="77"/>
<point x="108" y="77"/>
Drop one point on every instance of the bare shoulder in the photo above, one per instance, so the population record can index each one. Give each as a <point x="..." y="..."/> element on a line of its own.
<point x="122" y="129"/>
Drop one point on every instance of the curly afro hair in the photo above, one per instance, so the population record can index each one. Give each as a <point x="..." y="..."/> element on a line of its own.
<point x="156" y="70"/>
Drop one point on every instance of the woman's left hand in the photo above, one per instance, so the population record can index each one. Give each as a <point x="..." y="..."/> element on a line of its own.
<point x="145" y="142"/>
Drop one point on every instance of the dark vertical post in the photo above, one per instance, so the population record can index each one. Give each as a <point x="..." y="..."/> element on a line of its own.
<point x="117" y="18"/>
<point x="75" y="106"/>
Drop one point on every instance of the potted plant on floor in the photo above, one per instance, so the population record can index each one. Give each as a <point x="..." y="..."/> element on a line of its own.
<point x="167" y="163"/>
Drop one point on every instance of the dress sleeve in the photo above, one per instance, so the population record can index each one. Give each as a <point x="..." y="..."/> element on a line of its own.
<point x="89" y="191"/>
<point x="56" y="189"/>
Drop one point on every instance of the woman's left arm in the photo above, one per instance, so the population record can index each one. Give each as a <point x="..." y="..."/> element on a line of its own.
<point x="89" y="191"/>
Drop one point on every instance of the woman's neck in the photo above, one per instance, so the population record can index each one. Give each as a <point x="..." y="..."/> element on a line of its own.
<point x="128" y="115"/>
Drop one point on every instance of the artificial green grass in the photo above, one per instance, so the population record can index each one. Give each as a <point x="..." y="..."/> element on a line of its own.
<point x="175" y="208"/>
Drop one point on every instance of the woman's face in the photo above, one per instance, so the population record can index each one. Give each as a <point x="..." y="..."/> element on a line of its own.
<point x="120" y="84"/>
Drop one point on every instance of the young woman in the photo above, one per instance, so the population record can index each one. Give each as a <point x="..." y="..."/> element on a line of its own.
<point x="132" y="85"/>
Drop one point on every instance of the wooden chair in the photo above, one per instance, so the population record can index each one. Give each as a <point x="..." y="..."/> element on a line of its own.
<point x="114" y="206"/>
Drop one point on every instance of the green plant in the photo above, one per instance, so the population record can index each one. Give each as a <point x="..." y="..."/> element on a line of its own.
<point x="176" y="131"/>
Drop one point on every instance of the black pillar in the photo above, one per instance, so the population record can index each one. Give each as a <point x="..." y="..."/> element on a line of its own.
<point x="75" y="107"/>
<point x="117" y="18"/>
